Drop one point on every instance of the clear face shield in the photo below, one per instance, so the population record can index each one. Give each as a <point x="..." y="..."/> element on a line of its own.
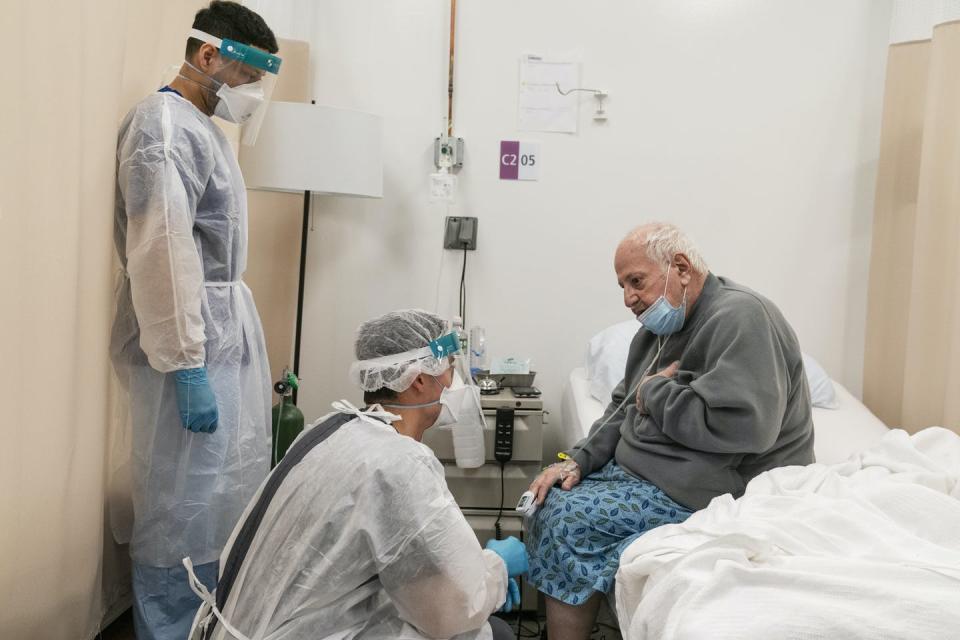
<point x="396" y="372"/>
<point x="460" y="402"/>
<point x="448" y="347"/>
<point x="243" y="84"/>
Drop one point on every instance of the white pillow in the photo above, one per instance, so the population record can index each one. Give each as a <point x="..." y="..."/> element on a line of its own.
<point x="822" y="393"/>
<point x="607" y="360"/>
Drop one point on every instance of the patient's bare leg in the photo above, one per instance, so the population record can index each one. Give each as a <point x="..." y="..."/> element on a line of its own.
<point x="571" y="621"/>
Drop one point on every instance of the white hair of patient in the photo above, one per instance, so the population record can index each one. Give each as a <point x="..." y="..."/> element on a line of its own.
<point x="662" y="241"/>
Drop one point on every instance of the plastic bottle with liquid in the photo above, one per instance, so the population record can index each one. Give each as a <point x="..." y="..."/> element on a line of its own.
<point x="478" y="351"/>
<point x="462" y="337"/>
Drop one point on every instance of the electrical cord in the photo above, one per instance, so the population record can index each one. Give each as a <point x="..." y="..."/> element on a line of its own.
<point x="496" y="525"/>
<point x="525" y="626"/>
<point x="520" y="610"/>
<point x="498" y="532"/>
<point x="631" y="395"/>
<point x="463" y="288"/>
<point x="533" y="633"/>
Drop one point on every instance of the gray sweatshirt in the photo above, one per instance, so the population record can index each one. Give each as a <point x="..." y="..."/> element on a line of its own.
<point x="739" y="404"/>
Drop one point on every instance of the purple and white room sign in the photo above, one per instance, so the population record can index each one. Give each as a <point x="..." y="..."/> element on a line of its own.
<point x="519" y="160"/>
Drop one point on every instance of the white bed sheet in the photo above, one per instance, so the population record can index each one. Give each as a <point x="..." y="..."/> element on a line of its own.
<point x="838" y="433"/>
<point x="863" y="549"/>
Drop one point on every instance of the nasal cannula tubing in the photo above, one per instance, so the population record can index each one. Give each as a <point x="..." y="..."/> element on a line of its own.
<point x="656" y="356"/>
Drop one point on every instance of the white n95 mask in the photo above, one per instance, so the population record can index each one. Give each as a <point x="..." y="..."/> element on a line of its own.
<point x="238" y="104"/>
<point x="459" y="403"/>
<point x="449" y="398"/>
<point x="459" y="408"/>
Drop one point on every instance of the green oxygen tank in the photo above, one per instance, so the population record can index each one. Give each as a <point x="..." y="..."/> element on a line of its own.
<point x="287" y="418"/>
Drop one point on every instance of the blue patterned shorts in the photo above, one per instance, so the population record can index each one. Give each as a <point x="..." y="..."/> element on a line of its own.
<point x="576" y="537"/>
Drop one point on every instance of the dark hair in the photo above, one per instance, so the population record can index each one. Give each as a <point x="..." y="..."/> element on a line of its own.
<point x="233" y="21"/>
<point x="378" y="396"/>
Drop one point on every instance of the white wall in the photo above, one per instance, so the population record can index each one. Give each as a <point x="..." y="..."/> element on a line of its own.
<point x="752" y="124"/>
<point x="915" y="19"/>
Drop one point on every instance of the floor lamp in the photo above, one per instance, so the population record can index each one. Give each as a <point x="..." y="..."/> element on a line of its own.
<point x="313" y="149"/>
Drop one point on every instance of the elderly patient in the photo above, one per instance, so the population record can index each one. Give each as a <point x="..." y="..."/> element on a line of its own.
<point x="355" y="535"/>
<point x="713" y="394"/>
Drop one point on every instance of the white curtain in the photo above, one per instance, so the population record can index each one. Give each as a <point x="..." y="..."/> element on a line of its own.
<point x="73" y="70"/>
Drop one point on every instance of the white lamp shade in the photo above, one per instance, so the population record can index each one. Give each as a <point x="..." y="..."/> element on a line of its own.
<point x="308" y="147"/>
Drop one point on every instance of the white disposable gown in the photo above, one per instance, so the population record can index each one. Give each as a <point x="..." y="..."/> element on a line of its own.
<point x="365" y="502"/>
<point x="181" y="234"/>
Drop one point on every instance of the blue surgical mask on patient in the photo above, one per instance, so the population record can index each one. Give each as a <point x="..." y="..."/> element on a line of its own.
<point x="662" y="318"/>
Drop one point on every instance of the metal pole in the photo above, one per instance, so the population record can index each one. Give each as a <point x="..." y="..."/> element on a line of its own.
<point x="303" y="271"/>
<point x="453" y="35"/>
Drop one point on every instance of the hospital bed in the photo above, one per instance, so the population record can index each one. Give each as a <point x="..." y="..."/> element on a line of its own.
<point x="861" y="544"/>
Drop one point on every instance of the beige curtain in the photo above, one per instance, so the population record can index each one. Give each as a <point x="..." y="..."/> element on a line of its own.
<point x="73" y="70"/>
<point x="912" y="359"/>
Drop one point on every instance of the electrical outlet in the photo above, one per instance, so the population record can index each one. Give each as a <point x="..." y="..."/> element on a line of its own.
<point x="461" y="233"/>
<point x="448" y="152"/>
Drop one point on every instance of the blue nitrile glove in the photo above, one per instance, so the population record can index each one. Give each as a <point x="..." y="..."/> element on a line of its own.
<point x="195" y="399"/>
<point x="514" y="555"/>
<point x="513" y="597"/>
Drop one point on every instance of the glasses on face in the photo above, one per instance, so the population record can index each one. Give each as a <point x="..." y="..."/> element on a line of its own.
<point x="236" y="73"/>
<point x="248" y="77"/>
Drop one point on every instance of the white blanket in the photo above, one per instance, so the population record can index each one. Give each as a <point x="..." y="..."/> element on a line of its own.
<point x="868" y="548"/>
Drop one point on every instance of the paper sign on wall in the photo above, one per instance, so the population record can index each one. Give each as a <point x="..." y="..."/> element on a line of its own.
<point x="542" y="107"/>
<point x="519" y="160"/>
